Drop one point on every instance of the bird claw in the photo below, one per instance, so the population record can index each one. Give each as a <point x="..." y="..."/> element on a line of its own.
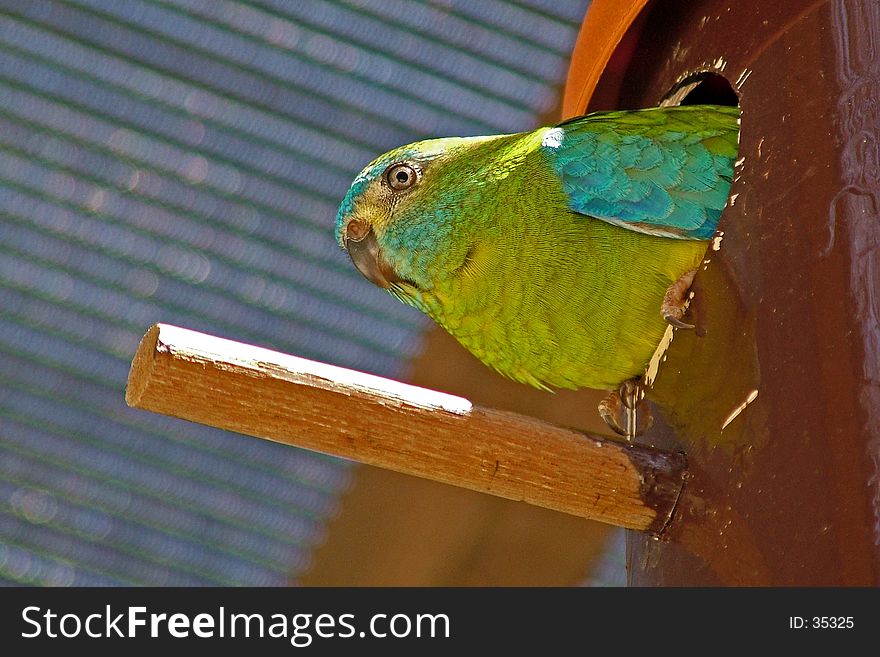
<point x="625" y="411"/>
<point x="676" y="322"/>
<point x="675" y="301"/>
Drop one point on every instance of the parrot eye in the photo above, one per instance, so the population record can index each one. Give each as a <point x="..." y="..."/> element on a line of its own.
<point x="401" y="176"/>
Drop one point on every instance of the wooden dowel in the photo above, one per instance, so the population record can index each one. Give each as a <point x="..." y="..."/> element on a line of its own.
<point x="413" y="430"/>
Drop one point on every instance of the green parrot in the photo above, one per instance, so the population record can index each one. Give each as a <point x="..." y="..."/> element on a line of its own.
<point x="556" y="256"/>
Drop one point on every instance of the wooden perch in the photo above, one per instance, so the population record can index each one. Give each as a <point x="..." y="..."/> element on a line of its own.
<point x="413" y="430"/>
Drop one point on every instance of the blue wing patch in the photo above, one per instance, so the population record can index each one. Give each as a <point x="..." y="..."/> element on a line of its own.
<point x="659" y="171"/>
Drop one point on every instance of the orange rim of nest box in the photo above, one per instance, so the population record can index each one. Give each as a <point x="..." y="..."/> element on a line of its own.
<point x="604" y="26"/>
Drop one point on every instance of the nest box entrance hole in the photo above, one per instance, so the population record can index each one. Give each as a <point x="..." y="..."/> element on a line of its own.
<point x="704" y="88"/>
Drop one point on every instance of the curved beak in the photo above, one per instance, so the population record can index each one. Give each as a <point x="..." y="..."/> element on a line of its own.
<point x="364" y="251"/>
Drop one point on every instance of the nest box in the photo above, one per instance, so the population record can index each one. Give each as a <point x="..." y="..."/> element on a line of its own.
<point x="776" y="397"/>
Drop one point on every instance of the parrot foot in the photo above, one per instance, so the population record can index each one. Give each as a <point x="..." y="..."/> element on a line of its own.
<point x="625" y="410"/>
<point x="675" y="302"/>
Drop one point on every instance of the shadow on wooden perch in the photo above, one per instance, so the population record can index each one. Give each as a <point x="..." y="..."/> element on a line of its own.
<point x="291" y="400"/>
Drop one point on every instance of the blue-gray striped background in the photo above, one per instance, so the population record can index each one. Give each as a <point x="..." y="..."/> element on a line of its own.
<point x="181" y="161"/>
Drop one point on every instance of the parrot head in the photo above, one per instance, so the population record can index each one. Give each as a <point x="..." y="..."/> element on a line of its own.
<point x="401" y="220"/>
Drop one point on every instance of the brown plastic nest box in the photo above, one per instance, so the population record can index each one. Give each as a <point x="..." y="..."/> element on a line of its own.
<point x="775" y="397"/>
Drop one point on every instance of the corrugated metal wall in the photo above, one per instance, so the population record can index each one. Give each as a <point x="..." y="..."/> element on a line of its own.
<point x="181" y="161"/>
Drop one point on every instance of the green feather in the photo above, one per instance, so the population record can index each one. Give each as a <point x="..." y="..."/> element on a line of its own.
<point x="547" y="254"/>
